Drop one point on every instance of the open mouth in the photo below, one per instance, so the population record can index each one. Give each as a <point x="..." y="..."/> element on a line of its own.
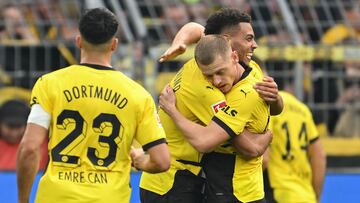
<point x="249" y="55"/>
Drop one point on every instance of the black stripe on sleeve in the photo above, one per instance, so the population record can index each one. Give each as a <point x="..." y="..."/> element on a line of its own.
<point x="313" y="140"/>
<point x="229" y="131"/>
<point x="151" y="144"/>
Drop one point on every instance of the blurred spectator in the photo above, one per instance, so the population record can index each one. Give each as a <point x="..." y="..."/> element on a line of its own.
<point x="175" y="16"/>
<point x="349" y="30"/>
<point x="15" y="28"/>
<point x="50" y="21"/>
<point x="18" y="93"/>
<point x="348" y="123"/>
<point x="13" y="117"/>
<point x="198" y="11"/>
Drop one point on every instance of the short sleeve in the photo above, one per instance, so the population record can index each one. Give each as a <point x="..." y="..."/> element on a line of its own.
<point x="149" y="130"/>
<point x="40" y="94"/>
<point x="235" y="115"/>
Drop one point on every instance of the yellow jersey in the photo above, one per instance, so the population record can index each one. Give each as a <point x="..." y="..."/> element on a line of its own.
<point x="96" y="112"/>
<point x="244" y="109"/>
<point x="288" y="167"/>
<point x="197" y="100"/>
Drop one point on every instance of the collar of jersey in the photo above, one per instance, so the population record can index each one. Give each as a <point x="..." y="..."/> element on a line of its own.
<point x="247" y="71"/>
<point x="96" y="66"/>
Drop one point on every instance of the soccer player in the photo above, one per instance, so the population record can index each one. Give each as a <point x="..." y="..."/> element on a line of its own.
<point x="297" y="162"/>
<point x="236" y="25"/>
<point x="198" y="100"/>
<point x="91" y="114"/>
<point x="230" y="177"/>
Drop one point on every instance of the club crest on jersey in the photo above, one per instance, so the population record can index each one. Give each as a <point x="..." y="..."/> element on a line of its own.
<point x="216" y="107"/>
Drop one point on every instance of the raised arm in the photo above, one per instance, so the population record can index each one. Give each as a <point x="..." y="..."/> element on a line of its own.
<point x="203" y="139"/>
<point x="268" y="90"/>
<point x="317" y="160"/>
<point x="28" y="159"/>
<point x="252" y="145"/>
<point x="190" y="33"/>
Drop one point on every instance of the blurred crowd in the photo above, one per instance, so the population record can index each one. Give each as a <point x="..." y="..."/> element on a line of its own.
<point x="35" y="22"/>
<point x="332" y="88"/>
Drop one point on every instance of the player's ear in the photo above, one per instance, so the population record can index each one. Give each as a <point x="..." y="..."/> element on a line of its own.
<point x="114" y="44"/>
<point x="227" y="37"/>
<point x="235" y="56"/>
<point x="78" y="41"/>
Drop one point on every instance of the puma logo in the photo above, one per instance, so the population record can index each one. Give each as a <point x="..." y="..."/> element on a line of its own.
<point x="208" y="87"/>
<point x="245" y="93"/>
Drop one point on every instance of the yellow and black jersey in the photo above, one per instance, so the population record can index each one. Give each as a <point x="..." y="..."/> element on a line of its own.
<point x="289" y="169"/>
<point x="197" y="100"/>
<point x="256" y="70"/>
<point x="96" y="112"/>
<point x="244" y="109"/>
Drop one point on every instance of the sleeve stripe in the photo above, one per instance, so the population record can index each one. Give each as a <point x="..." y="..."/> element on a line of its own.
<point x="313" y="140"/>
<point x="229" y="131"/>
<point x="151" y="144"/>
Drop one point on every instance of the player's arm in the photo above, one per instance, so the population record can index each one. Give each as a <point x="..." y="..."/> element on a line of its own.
<point x="156" y="160"/>
<point x="29" y="151"/>
<point x="203" y="139"/>
<point x="252" y="145"/>
<point x="317" y="160"/>
<point x="151" y="136"/>
<point x="268" y="90"/>
<point x="190" y="33"/>
<point x="28" y="159"/>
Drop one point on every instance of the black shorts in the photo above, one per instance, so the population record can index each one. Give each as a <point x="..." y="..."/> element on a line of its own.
<point x="187" y="188"/>
<point x="269" y="191"/>
<point x="219" y="172"/>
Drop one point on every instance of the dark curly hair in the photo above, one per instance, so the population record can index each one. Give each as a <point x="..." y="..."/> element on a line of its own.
<point x="225" y="20"/>
<point x="98" y="25"/>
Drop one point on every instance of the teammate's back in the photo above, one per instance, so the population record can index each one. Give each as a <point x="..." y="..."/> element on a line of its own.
<point x="289" y="166"/>
<point x="91" y="114"/>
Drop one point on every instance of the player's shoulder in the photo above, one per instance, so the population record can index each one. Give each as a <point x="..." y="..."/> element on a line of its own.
<point x="257" y="70"/>
<point x="193" y="81"/>
<point x="132" y="86"/>
<point x="293" y="102"/>
<point x="191" y="63"/>
<point x="57" y="73"/>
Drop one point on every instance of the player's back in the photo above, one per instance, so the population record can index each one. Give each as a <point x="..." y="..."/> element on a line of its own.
<point x="95" y="113"/>
<point x="289" y="170"/>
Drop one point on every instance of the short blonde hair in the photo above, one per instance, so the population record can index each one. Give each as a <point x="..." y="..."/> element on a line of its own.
<point x="211" y="46"/>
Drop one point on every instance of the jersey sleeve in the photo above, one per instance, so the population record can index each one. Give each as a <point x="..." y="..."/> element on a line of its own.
<point x="41" y="94"/>
<point x="149" y="131"/>
<point x="238" y="111"/>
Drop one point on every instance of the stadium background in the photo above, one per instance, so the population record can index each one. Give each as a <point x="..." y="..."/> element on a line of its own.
<point x="312" y="44"/>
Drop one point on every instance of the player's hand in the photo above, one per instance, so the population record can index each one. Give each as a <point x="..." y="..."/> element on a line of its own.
<point x="137" y="157"/>
<point x="167" y="99"/>
<point x="267" y="89"/>
<point x="172" y="52"/>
